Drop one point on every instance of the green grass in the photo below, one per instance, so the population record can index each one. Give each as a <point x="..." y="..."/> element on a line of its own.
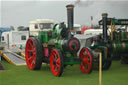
<point x="21" y="75"/>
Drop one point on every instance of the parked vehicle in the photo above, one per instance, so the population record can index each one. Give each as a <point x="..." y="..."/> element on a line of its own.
<point x="38" y="25"/>
<point x="15" y="38"/>
<point x="58" y="47"/>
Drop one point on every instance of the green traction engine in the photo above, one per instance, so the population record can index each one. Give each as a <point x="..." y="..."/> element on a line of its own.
<point x="58" y="47"/>
<point x="113" y="42"/>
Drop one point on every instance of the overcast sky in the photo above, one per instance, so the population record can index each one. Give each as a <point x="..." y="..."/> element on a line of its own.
<point x="17" y="13"/>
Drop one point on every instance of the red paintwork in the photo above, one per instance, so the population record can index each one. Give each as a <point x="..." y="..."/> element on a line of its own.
<point x="84" y="29"/>
<point x="86" y="63"/>
<point x="55" y="58"/>
<point x="46" y="52"/>
<point x="70" y="44"/>
<point x="30" y="53"/>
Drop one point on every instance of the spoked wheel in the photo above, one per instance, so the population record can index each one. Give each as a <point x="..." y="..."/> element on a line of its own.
<point x="56" y="62"/>
<point x="86" y="64"/>
<point x="33" y="53"/>
<point x="107" y="63"/>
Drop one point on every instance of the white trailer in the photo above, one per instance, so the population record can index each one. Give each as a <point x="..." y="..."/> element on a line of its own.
<point x="93" y="32"/>
<point x="14" y="38"/>
<point x="38" y="25"/>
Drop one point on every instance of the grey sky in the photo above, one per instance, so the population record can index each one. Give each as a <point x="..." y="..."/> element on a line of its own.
<point x="18" y="13"/>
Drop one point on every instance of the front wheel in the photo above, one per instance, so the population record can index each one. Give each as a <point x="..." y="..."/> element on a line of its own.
<point x="56" y="62"/>
<point x="86" y="64"/>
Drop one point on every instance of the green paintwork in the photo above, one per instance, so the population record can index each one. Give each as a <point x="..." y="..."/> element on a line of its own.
<point x="120" y="43"/>
<point x="58" y="40"/>
<point x="122" y="36"/>
<point x="115" y="21"/>
<point x="55" y="35"/>
<point x="73" y="62"/>
<point x="119" y="47"/>
<point x="71" y="57"/>
<point x="103" y="49"/>
<point x="56" y="30"/>
<point x="60" y="44"/>
<point x="43" y="36"/>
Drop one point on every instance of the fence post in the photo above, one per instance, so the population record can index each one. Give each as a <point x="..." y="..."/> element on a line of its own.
<point x="100" y="69"/>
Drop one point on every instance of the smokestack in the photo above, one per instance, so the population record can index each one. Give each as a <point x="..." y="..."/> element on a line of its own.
<point x="104" y="19"/>
<point x="70" y="16"/>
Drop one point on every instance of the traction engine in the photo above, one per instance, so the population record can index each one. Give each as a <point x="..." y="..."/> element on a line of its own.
<point x="58" y="47"/>
<point x="111" y="43"/>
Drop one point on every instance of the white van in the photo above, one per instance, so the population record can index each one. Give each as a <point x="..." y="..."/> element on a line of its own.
<point x="38" y="25"/>
<point x="14" y="38"/>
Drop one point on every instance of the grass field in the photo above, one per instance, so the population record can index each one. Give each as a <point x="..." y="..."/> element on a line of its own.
<point x="21" y="75"/>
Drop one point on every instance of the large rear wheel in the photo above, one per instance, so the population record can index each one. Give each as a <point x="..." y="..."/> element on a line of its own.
<point x="86" y="64"/>
<point x="33" y="53"/>
<point x="106" y="61"/>
<point x="56" y="62"/>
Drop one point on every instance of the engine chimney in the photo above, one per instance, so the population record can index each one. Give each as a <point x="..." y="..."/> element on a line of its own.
<point x="104" y="19"/>
<point x="70" y="16"/>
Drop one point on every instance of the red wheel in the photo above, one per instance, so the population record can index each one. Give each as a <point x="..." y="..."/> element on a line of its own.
<point x="33" y="53"/>
<point x="56" y="62"/>
<point x="86" y="64"/>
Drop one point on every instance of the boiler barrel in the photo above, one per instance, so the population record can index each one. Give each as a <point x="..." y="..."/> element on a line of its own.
<point x="120" y="47"/>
